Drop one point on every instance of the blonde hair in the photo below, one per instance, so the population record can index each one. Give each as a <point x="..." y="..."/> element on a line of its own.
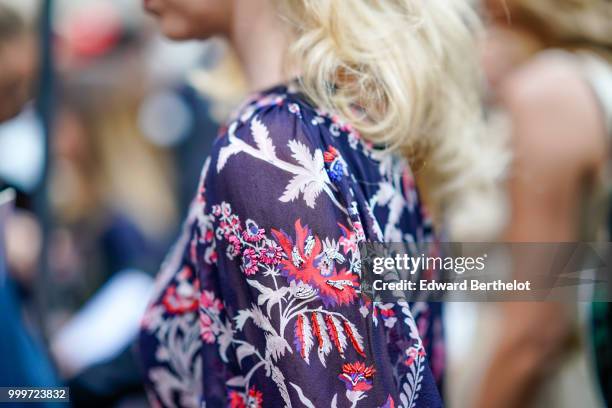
<point x="405" y="74"/>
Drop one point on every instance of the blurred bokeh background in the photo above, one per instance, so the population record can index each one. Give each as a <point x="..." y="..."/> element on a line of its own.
<point x="104" y="128"/>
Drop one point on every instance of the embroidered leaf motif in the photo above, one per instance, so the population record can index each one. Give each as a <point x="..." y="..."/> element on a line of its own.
<point x="303" y="337"/>
<point x="243" y="316"/>
<point x="301" y="153"/>
<point x="271" y="296"/>
<point x="279" y="379"/>
<point x="244" y="350"/>
<point x="311" y="178"/>
<point x="325" y="346"/>
<point x="334" y="402"/>
<point x="224" y="340"/>
<point x="355" y="337"/>
<point x="225" y="153"/>
<point x="295" y="186"/>
<point x="261" y="320"/>
<point x="336" y="333"/>
<point x="307" y="403"/>
<point x="228" y="151"/>
<point x="276" y="346"/>
<point x="262" y="139"/>
<point x="237" y="381"/>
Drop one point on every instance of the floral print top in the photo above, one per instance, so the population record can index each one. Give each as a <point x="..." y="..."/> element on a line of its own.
<point x="259" y="305"/>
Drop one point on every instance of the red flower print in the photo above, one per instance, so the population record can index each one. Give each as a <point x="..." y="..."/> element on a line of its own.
<point x="236" y="400"/>
<point x="356" y="376"/>
<point x="301" y="263"/>
<point x="254" y="399"/>
<point x="413" y="353"/>
<point x="250" y="261"/>
<point x="330" y="155"/>
<point x="183" y="296"/>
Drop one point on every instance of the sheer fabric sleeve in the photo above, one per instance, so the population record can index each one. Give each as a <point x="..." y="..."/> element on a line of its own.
<point x="287" y="272"/>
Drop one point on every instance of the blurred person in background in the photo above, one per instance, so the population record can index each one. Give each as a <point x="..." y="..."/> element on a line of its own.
<point x="549" y="67"/>
<point x="110" y="201"/>
<point x="111" y="204"/>
<point x="20" y="137"/>
<point x="23" y="358"/>
<point x="18" y="68"/>
<point x="256" y="305"/>
<point x="94" y="238"/>
<point x="99" y="232"/>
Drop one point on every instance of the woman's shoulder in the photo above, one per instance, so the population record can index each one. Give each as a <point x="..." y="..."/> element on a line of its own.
<point x="269" y="152"/>
<point x="282" y="123"/>
<point x="555" y="113"/>
<point x="276" y="115"/>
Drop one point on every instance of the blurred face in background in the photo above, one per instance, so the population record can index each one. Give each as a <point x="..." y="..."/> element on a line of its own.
<point x="506" y="44"/>
<point x="191" y="19"/>
<point x="17" y="71"/>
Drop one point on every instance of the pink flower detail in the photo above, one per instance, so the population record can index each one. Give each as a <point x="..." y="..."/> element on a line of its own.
<point x="235" y="242"/>
<point x="271" y="254"/>
<point x="226" y="209"/>
<point x="250" y="261"/>
<point x="206" y="329"/>
<point x="210" y="302"/>
<point x="413" y="353"/>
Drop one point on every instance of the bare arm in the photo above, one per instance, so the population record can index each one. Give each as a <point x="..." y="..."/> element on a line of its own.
<point x="558" y="146"/>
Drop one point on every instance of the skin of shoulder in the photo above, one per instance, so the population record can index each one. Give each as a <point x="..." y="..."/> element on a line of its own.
<point x="558" y="142"/>
<point x="555" y="112"/>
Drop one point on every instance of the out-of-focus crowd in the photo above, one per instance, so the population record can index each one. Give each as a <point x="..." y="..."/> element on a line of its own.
<point x="103" y="175"/>
<point x="104" y="172"/>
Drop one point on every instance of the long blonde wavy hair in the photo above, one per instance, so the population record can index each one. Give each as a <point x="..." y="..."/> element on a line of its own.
<point x="405" y="74"/>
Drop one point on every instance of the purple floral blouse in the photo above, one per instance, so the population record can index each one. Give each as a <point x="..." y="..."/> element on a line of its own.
<point x="258" y="304"/>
